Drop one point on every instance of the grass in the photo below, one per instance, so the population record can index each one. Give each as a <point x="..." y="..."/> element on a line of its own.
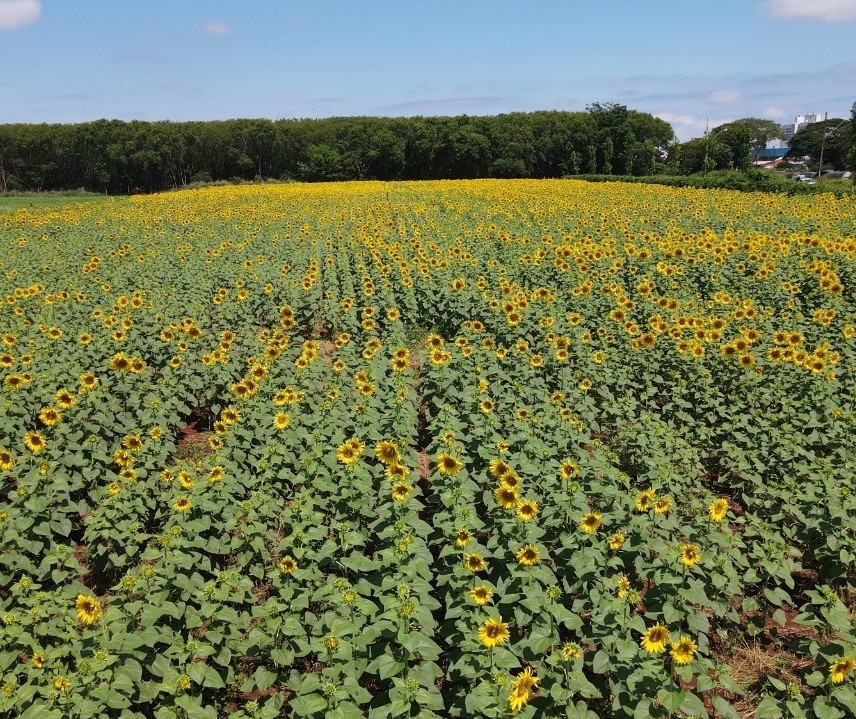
<point x="44" y="200"/>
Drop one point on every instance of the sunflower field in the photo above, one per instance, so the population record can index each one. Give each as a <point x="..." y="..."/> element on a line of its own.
<point x="441" y="449"/>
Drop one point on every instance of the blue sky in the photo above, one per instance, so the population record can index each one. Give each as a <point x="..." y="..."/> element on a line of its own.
<point x="682" y="60"/>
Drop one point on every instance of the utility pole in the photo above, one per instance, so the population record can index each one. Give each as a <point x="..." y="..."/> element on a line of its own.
<point x="822" y="145"/>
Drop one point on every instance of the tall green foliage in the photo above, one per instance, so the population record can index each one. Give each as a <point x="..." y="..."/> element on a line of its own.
<point x="125" y="157"/>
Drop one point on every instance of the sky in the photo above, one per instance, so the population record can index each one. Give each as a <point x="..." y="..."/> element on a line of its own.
<point x="692" y="63"/>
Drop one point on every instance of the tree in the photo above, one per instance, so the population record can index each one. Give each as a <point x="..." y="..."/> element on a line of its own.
<point x="808" y="142"/>
<point x="746" y="136"/>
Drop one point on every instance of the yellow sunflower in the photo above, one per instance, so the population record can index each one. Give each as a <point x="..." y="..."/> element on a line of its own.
<point x="527" y="510"/>
<point x="474" y="562"/>
<point x="521" y="689"/>
<point x="88" y="609"/>
<point x="655" y="639"/>
<point x="481" y="594"/>
<point x="493" y="633"/>
<point x="506" y="497"/>
<point x="684" y="650"/>
<point x="34" y="442"/>
<point x="387" y="453"/>
<point x="528" y="555"/>
<point x="839" y="670"/>
<point x="448" y="465"/>
<point x="287" y="565"/>
<point x="718" y="509"/>
<point x="590" y="522"/>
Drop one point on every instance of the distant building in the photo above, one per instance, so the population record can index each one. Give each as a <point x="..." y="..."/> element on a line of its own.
<point x="800" y="121"/>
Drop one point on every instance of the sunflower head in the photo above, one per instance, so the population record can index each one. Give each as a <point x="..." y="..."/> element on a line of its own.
<point x="474" y="562"/>
<point x="493" y="633"/>
<point x="528" y="555"/>
<point x="481" y="594"/>
<point x="287" y="565"/>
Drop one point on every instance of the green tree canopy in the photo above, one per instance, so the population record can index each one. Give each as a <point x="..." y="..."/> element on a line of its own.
<point x="809" y="140"/>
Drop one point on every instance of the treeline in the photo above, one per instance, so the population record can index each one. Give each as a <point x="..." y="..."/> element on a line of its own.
<point x="119" y="157"/>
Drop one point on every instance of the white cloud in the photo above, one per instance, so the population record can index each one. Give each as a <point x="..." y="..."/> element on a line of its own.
<point x="216" y="28"/>
<point x="17" y="13"/>
<point x="776" y="113"/>
<point x="724" y="97"/>
<point x="826" y="10"/>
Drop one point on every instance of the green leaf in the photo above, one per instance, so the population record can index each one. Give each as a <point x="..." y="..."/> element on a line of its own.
<point x="724" y="708"/>
<point x="308" y="704"/>
<point x="264" y="677"/>
<point x="768" y="708"/>
<point x="824" y="710"/>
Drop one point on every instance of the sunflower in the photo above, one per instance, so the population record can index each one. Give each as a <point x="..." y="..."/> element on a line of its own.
<point x="133" y="442"/>
<point x="498" y="468"/>
<point x="527" y="510"/>
<point x="396" y="472"/>
<point x="281" y="420"/>
<point x="623" y="586"/>
<point x="88" y="381"/>
<point x="662" y="505"/>
<point x="38" y="660"/>
<point x="568" y="470"/>
<point x="645" y="499"/>
<point x="400" y="491"/>
<point x="474" y="562"/>
<point x="528" y="555"/>
<point x="839" y="670"/>
<point x="399" y="364"/>
<point x="463" y="537"/>
<point x="481" y="594"/>
<point x="684" y="650"/>
<point x="230" y="415"/>
<point x="88" y="609"/>
<point x="718" y="509"/>
<point x="493" y="633"/>
<point x="61" y="684"/>
<point x="506" y="497"/>
<point x="571" y="651"/>
<point x="387" y="453"/>
<point x="616" y="541"/>
<point x="6" y="460"/>
<point x="216" y="473"/>
<point x="287" y="565"/>
<point x="448" y="465"/>
<point x="347" y="454"/>
<point x="182" y="505"/>
<point x="487" y="406"/>
<point x="590" y="522"/>
<point x="690" y="555"/>
<point x="50" y="416"/>
<point x="65" y="399"/>
<point x="123" y="458"/>
<point x="34" y="442"/>
<point x="119" y="362"/>
<point x="511" y="480"/>
<point x="521" y="689"/>
<point x="655" y="639"/>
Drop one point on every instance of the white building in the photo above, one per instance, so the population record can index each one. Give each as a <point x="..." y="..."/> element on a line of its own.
<point x="800" y="121"/>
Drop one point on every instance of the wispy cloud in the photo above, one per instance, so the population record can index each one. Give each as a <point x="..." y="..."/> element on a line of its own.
<point x="825" y="10"/>
<point x="18" y="13"/>
<point x="213" y="27"/>
<point x="725" y="97"/>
